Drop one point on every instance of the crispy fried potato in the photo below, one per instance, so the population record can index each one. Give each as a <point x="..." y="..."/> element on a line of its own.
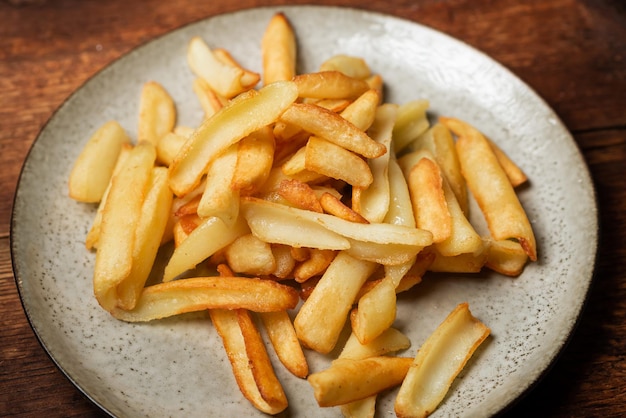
<point x="249" y="255"/>
<point x="157" y="113"/>
<point x="355" y="67"/>
<point x="199" y="293"/>
<point x="228" y="126"/>
<point x="439" y="360"/>
<point x="285" y="342"/>
<point x="351" y="380"/>
<point x="94" y="166"/>
<point x="330" y="160"/>
<point x="329" y="85"/>
<point x="334" y="128"/>
<point x="255" y="157"/>
<point x="491" y="187"/>
<point x="411" y="123"/>
<point x="120" y="217"/>
<point x="248" y="357"/>
<point x="278" y="50"/>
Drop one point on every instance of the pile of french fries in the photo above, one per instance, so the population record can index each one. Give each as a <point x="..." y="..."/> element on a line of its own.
<point x="305" y="194"/>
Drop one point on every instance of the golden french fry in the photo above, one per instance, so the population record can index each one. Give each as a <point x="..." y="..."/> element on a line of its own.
<point x="150" y="228"/>
<point x="206" y="239"/>
<point x="491" y="187"/>
<point x="462" y="263"/>
<point x="232" y="123"/>
<point x="224" y="78"/>
<point x="285" y="342"/>
<point x="427" y="196"/>
<point x="463" y="237"/>
<point x="375" y="82"/>
<point x="285" y="262"/>
<point x="437" y="363"/>
<point x="249" y="79"/>
<point x="249" y="360"/>
<point x="362" y="111"/>
<point x="334" y="128"/>
<point x="329" y="85"/>
<point x="91" y="241"/>
<point x="411" y="123"/>
<point x="376" y="311"/>
<point x="200" y="293"/>
<point x="355" y="67"/>
<point x="363" y="408"/>
<point x="316" y="264"/>
<point x="157" y="113"/>
<point x="249" y="255"/>
<point x="321" y="318"/>
<point x="391" y="340"/>
<point x="351" y="380"/>
<point x="257" y="210"/>
<point x="210" y="101"/>
<point x="422" y="263"/>
<point x="278" y="50"/>
<point x="513" y="172"/>
<point x="94" y="166"/>
<point x="438" y="140"/>
<point x="334" y="206"/>
<point x="255" y="156"/>
<point x="334" y="105"/>
<point x="331" y="160"/>
<point x="506" y="257"/>
<point x="219" y="199"/>
<point x="373" y="200"/>
<point x="168" y="147"/>
<point x="300" y="195"/>
<point x="120" y="217"/>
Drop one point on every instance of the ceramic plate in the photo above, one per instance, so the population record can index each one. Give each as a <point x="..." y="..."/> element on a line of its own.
<point x="177" y="366"/>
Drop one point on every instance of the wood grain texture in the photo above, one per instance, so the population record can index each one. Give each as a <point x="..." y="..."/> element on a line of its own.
<point x="572" y="52"/>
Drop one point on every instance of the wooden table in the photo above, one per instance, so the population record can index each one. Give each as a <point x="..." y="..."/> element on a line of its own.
<point x="572" y="52"/>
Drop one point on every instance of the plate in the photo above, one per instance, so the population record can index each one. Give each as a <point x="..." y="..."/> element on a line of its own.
<point x="177" y="366"/>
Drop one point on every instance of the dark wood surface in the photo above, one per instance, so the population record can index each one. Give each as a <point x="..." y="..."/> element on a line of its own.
<point x="572" y="52"/>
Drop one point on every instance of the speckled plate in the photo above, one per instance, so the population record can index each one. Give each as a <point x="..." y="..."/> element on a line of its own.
<point x="177" y="366"/>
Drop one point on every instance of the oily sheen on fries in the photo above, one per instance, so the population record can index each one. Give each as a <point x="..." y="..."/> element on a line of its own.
<point x="316" y="202"/>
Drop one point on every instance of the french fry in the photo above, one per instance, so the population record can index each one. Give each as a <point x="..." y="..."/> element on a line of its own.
<point x="321" y="318"/>
<point x="390" y="341"/>
<point x="373" y="200"/>
<point x="278" y="50"/>
<point x="355" y="67"/>
<point x="224" y="78"/>
<point x="249" y="79"/>
<point x="351" y="380"/>
<point x="91" y="241"/>
<point x="376" y="311"/>
<point x="255" y="157"/>
<point x="329" y="85"/>
<point x="300" y="195"/>
<point x="411" y="123"/>
<point x="506" y="257"/>
<point x="515" y="174"/>
<point x="285" y="262"/>
<point x="438" y="140"/>
<point x="168" y="146"/>
<point x="120" y="217"/>
<point x="206" y="239"/>
<point x="157" y="113"/>
<point x="331" y="160"/>
<point x="249" y="255"/>
<point x="362" y="111"/>
<point x="437" y="363"/>
<point x="210" y="101"/>
<point x="491" y="187"/>
<point x="332" y="205"/>
<point x="427" y="196"/>
<point x="94" y="166"/>
<point x="232" y="123"/>
<point x="148" y="235"/>
<point x="285" y="342"/>
<point x="462" y="263"/>
<point x="332" y="127"/>
<point x="218" y="198"/>
<point x="194" y="294"/>
<point x="317" y="263"/>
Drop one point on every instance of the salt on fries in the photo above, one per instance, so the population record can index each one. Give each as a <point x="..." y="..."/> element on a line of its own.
<point x="308" y="187"/>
